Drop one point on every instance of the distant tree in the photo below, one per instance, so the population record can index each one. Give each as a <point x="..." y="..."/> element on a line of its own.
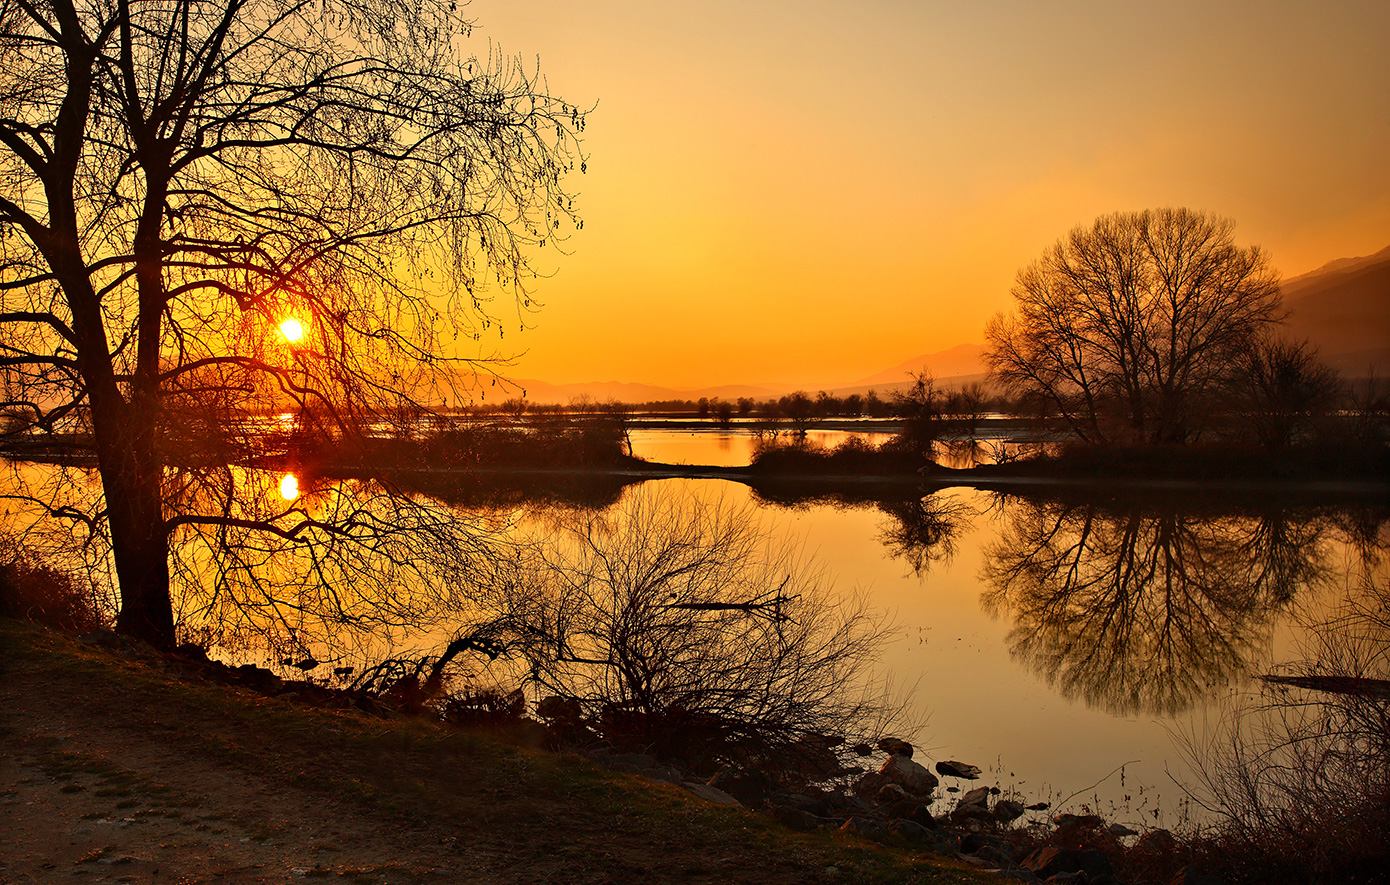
<point x="1125" y="329"/>
<point x="1281" y="391"/>
<point x="799" y="409"/>
<point x="922" y="408"/>
<point x="745" y="406"/>
<point x="723" y="412"/>
<point x="182" y="175"/>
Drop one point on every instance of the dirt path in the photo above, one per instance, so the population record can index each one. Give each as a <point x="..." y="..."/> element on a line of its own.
<point x="114" y="771"/>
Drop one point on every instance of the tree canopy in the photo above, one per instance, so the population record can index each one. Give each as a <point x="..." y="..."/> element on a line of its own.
<point x="1125" y="328"/>
<point x="179" y="176"/>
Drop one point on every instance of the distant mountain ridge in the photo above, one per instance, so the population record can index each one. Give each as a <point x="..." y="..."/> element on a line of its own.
<point x="1343" y="308"/>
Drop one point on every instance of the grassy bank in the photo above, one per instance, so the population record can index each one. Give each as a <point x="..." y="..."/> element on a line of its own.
<point x="146" y="730"/>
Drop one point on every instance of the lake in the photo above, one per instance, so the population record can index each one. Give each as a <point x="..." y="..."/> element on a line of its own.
<point x="1074" y="647"/>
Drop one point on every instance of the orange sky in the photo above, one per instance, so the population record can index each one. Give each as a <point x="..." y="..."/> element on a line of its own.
<point x="812" y="192"/>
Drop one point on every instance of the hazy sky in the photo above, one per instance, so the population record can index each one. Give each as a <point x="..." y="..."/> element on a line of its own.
<point x="812" y="192"/>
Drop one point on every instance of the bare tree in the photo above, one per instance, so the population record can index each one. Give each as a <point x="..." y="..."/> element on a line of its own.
<point x="181" y="175"/>
<point x="679" y="625"/>
<point x="1125" y="329"/>
<point x="1282" y="392"/>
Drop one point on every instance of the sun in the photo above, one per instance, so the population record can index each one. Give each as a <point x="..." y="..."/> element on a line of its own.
<point x="292" y="329"/>
<point x="289" y="487"/>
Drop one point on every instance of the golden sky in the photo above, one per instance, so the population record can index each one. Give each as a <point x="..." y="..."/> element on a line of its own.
<point x="812" y="192"/>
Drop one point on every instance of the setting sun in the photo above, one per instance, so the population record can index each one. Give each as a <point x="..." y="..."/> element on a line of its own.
<point x="289" y="487"/>
<point x="292" y="329"/>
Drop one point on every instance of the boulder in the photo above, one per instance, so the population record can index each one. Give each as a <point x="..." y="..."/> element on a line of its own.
<point x="890" y="793"/>
<point x="1050" y="861"/>
<point x="796" y="818"/>
<point x="895" y="747"/>
<point x="911" y="776"/>
<point x="865" y="826"/>
<point x="1007" y="809"/>
<point x="862" y="750"/>
<point x="752" y="788"/>
<point x="952" y="768"/>
<point x="910" y="830"/>
<point x="974" y="803"/>
<point x="712" y="794"/>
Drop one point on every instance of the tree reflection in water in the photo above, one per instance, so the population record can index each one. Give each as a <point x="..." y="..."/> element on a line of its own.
<point x="1137" y="609"/>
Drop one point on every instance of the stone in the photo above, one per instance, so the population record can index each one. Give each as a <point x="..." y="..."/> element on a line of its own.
<point x="640" y="760"/>
<point x="1120" y="830"/>
<point x="1156" y="842"/>
<point x="895" y="747"/>
<point x="862" y="750"/>
<point x="890" y="793"/>
<point x="1007" y="810"/>
<point x="796" y="818"/>
<point x="1050" y="861"/>
<point x="910" y="830"/>
<point x="711" y="794"/>
<point x="951" y="768"/>
<point x="976" y="798"/>
<point x="911" y="776"/>
<point x="865" y="826"/>
<point x="752" y="788"/>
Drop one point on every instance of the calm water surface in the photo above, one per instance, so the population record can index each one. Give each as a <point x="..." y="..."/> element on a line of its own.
<point x="1072" y="649"/>
<point x="1066" y="646"/>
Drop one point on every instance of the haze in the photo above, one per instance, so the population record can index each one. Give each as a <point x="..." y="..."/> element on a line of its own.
<point x="812" y="192"/>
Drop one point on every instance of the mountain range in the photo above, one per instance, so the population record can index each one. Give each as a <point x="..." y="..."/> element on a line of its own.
<point x="1342" y="308"/>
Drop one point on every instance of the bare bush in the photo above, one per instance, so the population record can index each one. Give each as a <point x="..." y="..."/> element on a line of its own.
<point x="1299" y="775"/>
<point x="678" y="627"/>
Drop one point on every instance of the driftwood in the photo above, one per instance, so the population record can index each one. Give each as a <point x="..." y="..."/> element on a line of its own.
<point x="1349" y="685"/>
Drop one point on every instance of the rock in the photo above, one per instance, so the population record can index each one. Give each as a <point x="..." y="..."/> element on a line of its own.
<point x="1071" y="822"/>
<point x="895" y="747"/>
<point x="1120" y="830"/>
<point x="668" y="773"/>
<point x="865" y="826"/>
<point x="975" y="802"/>
<point x="951" y="768"/>
<point x="796" y="818"/>
<point x="890" y="793"/>
<point x="1050" y="861"/>
<point x="870" y="784"/>
<point x="1156" y="842"/>
<point x="910" y="830"/>
<point x="711" y="794"/>
<point x="640" y="760"/>
<point x="749" y="787"/>
<point x="193" y="651"/>
<point x="801" y="801"/>
<point x="1007" y="810"/>
<point x="911" y="776"/>
<point x="1040" y="806"/>
<point x="862" y="750"/>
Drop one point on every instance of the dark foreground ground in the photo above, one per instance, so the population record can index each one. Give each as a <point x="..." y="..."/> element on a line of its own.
<point x="116" y="769"/>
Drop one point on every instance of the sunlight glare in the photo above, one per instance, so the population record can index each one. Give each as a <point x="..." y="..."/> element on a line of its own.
<point x="292" y="329"/>
<point x="289" y="487"/>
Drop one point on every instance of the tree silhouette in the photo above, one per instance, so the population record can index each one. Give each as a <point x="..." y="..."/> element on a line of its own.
<point x="1139" y="609"/>
<point x="1126" y="329"/>
<point x="182" y="175"/>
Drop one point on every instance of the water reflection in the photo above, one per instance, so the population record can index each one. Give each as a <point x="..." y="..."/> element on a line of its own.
<point x="1146" y="609"/>
<point x="920" y="529"/>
